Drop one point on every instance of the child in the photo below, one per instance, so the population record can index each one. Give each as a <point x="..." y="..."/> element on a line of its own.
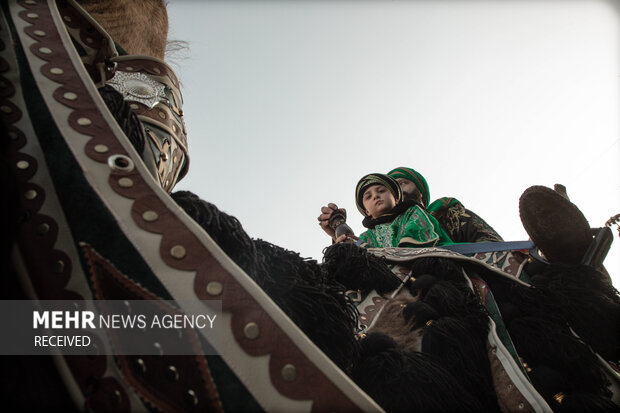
<point x="392" y="222"/>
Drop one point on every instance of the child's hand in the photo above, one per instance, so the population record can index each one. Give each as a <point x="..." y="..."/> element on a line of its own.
<point x="326" y="214"/>
<point x="346" y="238"/>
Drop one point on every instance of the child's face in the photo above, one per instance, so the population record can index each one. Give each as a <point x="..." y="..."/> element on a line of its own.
<point x="378" y="200"/>
<point x="407" y="186"/>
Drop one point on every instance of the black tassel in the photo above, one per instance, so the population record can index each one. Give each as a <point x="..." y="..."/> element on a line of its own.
<point x="541" y="342"/>
<point x="422" y="284"/>
<point x="357" y="269"/>
<point x="408" y="381"/>
<point x="442" y="268"/>
<point x="420" y="312"/>
<point x="587" y="302"/>
<point x="457" y="300"/>
<point x="462" y="352"/>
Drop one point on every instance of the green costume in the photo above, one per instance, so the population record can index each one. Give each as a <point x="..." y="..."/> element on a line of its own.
<point x="415" y="177"/>
<point x="414" y="228"/>
<point x="406" y="225"/>
<point x="461" y="224"/>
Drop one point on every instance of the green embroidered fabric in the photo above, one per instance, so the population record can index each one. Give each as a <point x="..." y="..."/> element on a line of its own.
<point x="414" y="228"/>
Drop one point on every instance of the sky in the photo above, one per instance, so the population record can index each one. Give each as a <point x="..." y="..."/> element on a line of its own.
<point x="289" y="103"/>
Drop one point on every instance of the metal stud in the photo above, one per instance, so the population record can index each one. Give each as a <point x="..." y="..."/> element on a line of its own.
<point x="101" y="148"/>
<point x="56" y="71"/>
<point x="134" y="106"/>
<point x="84" y="121"/>
<point x="39" y="33"/>
<point x="129" y="68"/>
<point x="159" y="348"/>
<point x="32" y="16"/>
<point x="215" y="288"/>
<point x="150" y="216"/>
<point x="251" y="330"/>
<point x="30" y="194"/>
<point x="139" y="366"/>
<point x="172" y="373"/>
<point x="45" y="50"/>
<point x="30" y="2"/>
<point x="289" y="373"/>
<point x="156" y="70"/>
<point x="70" y="96"/>
<point x="191" y="398"/>
<point x="162" y="114"/>
<point x="6" y="109"/>
<point x="178" y="252"/>
<point x="115" y="398"/>
<point x="125" y="182"/>
<point x="67" y="18"/>
<point x="521" y="405"/>
<point x="43" y="228"/>
<point x="58" y="267"/>
<point x="509" y="387"/>
<point x="89" y="40"/>
<point x="23" y="164"/>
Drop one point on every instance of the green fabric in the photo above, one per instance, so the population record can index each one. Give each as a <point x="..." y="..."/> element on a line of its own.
<point x="414" y="228"/>
<point x="376" y="179"/>
<point x="461" y="224"/>
<point x="440" y="203"/>
<point x="415" y="177"/>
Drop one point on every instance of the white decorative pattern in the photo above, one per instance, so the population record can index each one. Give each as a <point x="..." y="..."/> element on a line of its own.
<point x="138" y="87"/>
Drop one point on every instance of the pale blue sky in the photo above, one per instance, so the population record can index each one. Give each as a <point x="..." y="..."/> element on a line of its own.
<point x="289" y="103"/>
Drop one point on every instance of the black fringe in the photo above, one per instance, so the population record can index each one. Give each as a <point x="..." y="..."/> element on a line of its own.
<point x="457" y="338"/>
<point x="587" y="302"/>
<point x="420" y="312"/>
<point x="225" y="229"/>
<point x="300" y="287"/>
<point x="538" y="319"/>
<point x="312" y="300"/>
<point x="124" y="115"/>
<point x="422" y="284"/>
<point x="442" y="268"/>
<point x="463" y="353"/>
<point x="357" y="269"/>
<point x="408" y="381"/>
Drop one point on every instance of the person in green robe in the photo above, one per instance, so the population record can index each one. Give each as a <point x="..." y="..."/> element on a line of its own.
<point x="393" y="221"/>
<point x="461" y="224"/>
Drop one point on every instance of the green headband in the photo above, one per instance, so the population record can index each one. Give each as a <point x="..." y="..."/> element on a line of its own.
<point x="416" y="178"/>
<point x="376" y="179"/>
